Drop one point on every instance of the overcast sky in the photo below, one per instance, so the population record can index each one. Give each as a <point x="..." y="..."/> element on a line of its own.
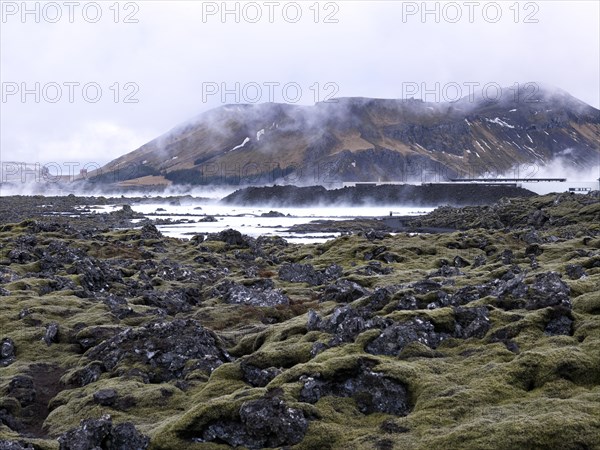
<point x="112" y="76"/>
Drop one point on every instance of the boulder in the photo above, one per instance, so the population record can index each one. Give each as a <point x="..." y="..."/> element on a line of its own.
<point x="394" y="338"/>
<point x="272" y="214"/>
<point x="559" y="321"/>
<point x="548" y="290"/>
<point x="372" y="391"/>
<point x="343" y="291"/>
<point x="575" y="271"/>
<point x="380" y="298"/>
<point x="230" y="237"/>
<point x="507" y="257"/>
<point x="301" y="273"/>
<point x="258" y="377"/>
<point x="51" y="334"/>
<point x="150" y="232"/>
<point x="99" y="434"/>
<point x="8" y="352"/>
<point x="6" y="418"/>
<point x="263" y="423"/>
<point x="87" y="375"/>
<point x="460" y="262"/>
<point x="22" y="388"/>
<point x="346" y="323"/>
<point x="173" y="301"/>
<point x="168" y="350"/>
<point x="105" y="397"/>
<point x="471" y="322"/>
<point x="264" y="297"/>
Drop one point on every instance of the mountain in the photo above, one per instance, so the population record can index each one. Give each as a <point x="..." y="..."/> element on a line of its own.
<point x="366" y="139"/>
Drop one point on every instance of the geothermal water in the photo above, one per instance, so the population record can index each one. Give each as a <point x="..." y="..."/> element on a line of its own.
<point x="248" y="220"/>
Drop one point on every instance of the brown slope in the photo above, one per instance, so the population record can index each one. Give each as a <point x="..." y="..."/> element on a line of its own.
<point x="365" y="139"/>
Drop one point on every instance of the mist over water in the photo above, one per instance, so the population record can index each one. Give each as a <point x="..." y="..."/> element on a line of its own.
<point x="250" y="220"/>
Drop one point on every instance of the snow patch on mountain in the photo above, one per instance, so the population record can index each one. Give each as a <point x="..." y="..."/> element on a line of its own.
<point x="500" y="122"/>
<point x="241" y="145"/>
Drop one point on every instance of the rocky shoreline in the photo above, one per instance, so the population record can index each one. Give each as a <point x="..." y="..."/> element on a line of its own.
<point x="113" y="336"/>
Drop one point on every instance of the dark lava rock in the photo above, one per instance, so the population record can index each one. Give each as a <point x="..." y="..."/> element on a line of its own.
<point x="264" y="423"/>
<point x="380" y="298"/>
<point x="174" y="301"/>
<point x="276" y="241"/>
<point x="559" y="322"/>
<point x="345" y="323"/>
<point x="372" y="391"/>
<point x="442" y="300"/>
<point x="471" y="322"/>
<point x="14" y="445"/>
<point x="6" y="418"/>
<point x="377" y="251"/>
<point x="531" y="237"/>
<point x="272" y="214"/>
<point x="301" y="273"/>
<point x="479" y="261"/>
<point x="374" y="268"/>
<point x="374" y="235"/>
<point x="51" y="334"/>
<point x="394" y="338"/>
<point x="575" y="271"/>
<point x="173" y="271"/>
<point x="533" y="250"/>
<point x="343" y="291"/>
<point x="510" y="292"/>
<point x="118" y="306"/>
<point x="424" y="286"/>
<point x="317" y="348"/>
<point x="241" y="295"/>
<point x="126" y="213"/>
<point x="22" y="388"/>
<point x="96" y="275"/>
<point x="150" y="232"/>
<point x="230" y="237"/>
<point x="407" y="302"/>
<point x="258" y="377"/>
<point x="507" y="257"/>
<point x="468" y="294"/>
<point x="124" y="436"/>
<point x="313" y="321"/>
<point x="23" y="252"/>
<point x="8" y="352"/>
<point x="58" y="254"/>
<point x="8" y="275"/>
<point x="105" y="397"/>
<point x="446" y="271"/>
<point x="92" y="336"/>
<point x="548" y="290"/>
<point x="99" y="434"/>
<point x="88" y="374"/>
<point x="537" y="218"/>
<point x="165" y="348"/>
<point x="460" y="262"/>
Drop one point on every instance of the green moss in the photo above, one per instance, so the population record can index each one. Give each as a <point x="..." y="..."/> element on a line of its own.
<point x="466" y="393"/>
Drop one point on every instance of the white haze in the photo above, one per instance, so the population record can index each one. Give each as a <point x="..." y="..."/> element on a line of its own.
<point x="562" y="167"/>
<point x="170" y="52"/>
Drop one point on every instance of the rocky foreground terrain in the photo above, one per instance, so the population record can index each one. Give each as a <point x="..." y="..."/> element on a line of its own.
<point x="488" y="337"/>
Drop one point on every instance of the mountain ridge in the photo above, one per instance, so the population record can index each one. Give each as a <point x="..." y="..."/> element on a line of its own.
<point x="366" y="139"/>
